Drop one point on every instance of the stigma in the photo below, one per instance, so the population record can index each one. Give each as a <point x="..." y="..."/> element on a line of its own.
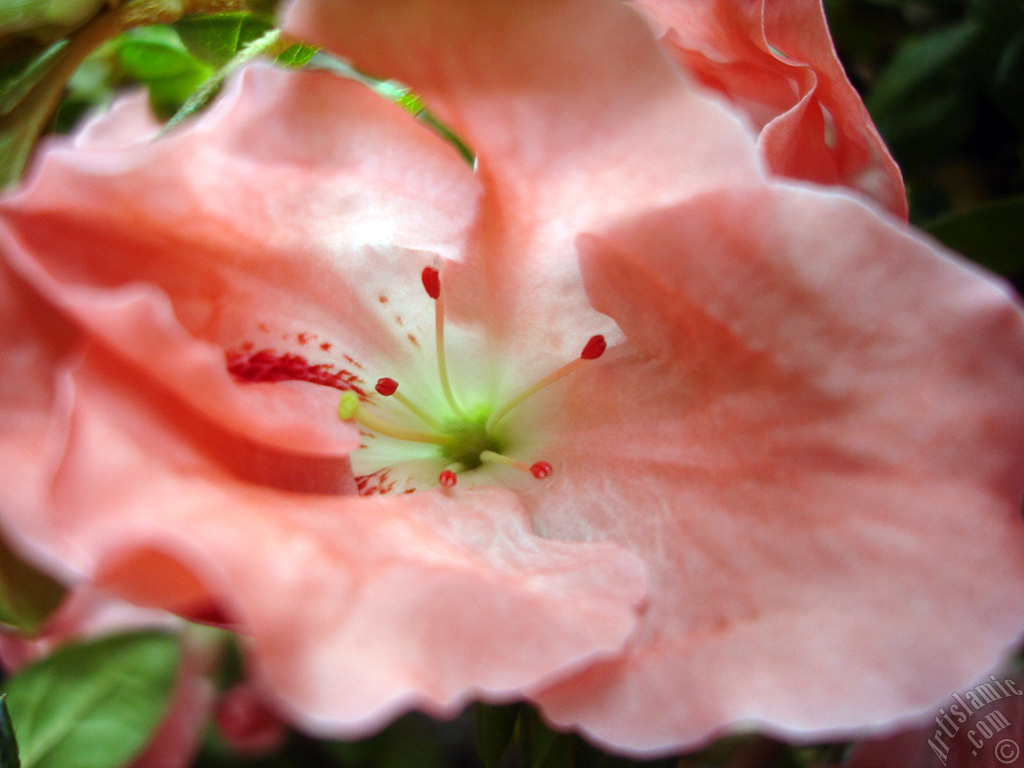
<point x="466" y="436"/>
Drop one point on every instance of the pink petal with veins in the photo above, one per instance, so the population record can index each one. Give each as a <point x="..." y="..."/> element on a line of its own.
<point x="817" y="453"/>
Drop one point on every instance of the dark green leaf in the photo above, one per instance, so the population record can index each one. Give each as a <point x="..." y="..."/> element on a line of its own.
<point x="930" y="126"/>
<point x="17" y="80"/>
<point x="216" y="39"/>
<point x="21" y="126"/>
<point x="31" y="97"/>
<point x="1008" y="80"/>
<point x="231" y="670"/>
<point x="991" y="234"/>
<point x="91" y="88"/>
<point x="494" y="727"/>
<point x="94" y="704"/>
<point x="917" y="61"/>
<point x="412" y="741"/>
<point x="8" y="744"/>
<point x="543" y="747"/>
<point x="27" y="596"/>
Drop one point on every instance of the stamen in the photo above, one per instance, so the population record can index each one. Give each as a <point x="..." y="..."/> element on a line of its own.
<point x="594" y="348"/>
<point x="432" y="283"/>
<point x="386" y="387"/>
<point x="539" y="470"/>
<point x="389" y="388"/>
<point x="351" y="408"/>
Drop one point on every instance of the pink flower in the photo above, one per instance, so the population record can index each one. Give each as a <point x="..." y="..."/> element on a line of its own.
<point x="774" y="60"/>
<point x="787" y="495"/>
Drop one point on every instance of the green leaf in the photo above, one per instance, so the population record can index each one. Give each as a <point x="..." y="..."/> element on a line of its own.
<point x="215" y="39"/>
<point x="296" y="56"/>
<point x="494" y="727"/>
<point x="94" y="704"/>
<point x="27" y="596"/>
<point x="261" y="46"/>
<point x="8" y="744"/>
<point x="991" y="234"/>
<point x="156" y="56"/>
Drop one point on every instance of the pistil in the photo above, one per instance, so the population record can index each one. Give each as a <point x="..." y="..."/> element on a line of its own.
<point x="432" y="284"/>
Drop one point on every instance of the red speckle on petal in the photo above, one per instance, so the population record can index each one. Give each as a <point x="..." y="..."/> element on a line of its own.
<point x="432" y="282"/>
<point x="326" y="346"/>
<point x="413" y="340"/>
<point x="266" y="365"/>
<point x="304" y="338"/>
<point x="447" y="478"/>
<point x="386" y="387"/>
<point x="594" y="349"/>
<point x="540" y="470"/>
<point x="376" y="483"/>
<point x="382" y="299"/>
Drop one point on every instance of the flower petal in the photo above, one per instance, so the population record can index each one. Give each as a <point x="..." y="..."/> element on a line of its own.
<point x="815" y="439"/>
<point x="358" y="607"/>
<point x="575" y="116"/>
<point x="34" y="340"/>
<point x="248" y="231"/>
<point x="775" y="60"/>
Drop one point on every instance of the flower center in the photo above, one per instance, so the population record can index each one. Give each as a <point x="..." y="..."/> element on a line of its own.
<point x="469" y="440"/>
<point x="465" y="439"/>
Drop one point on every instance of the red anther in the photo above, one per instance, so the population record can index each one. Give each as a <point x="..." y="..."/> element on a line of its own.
<point x="594" y="349"/>
<point x="541" y="469"/>
<point x="386" y="387"/>
<point x="447" y="478"/>
<point x="432" y="282"/>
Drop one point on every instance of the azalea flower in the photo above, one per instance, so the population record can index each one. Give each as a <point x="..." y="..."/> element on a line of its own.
<point x="772" y="477"/>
